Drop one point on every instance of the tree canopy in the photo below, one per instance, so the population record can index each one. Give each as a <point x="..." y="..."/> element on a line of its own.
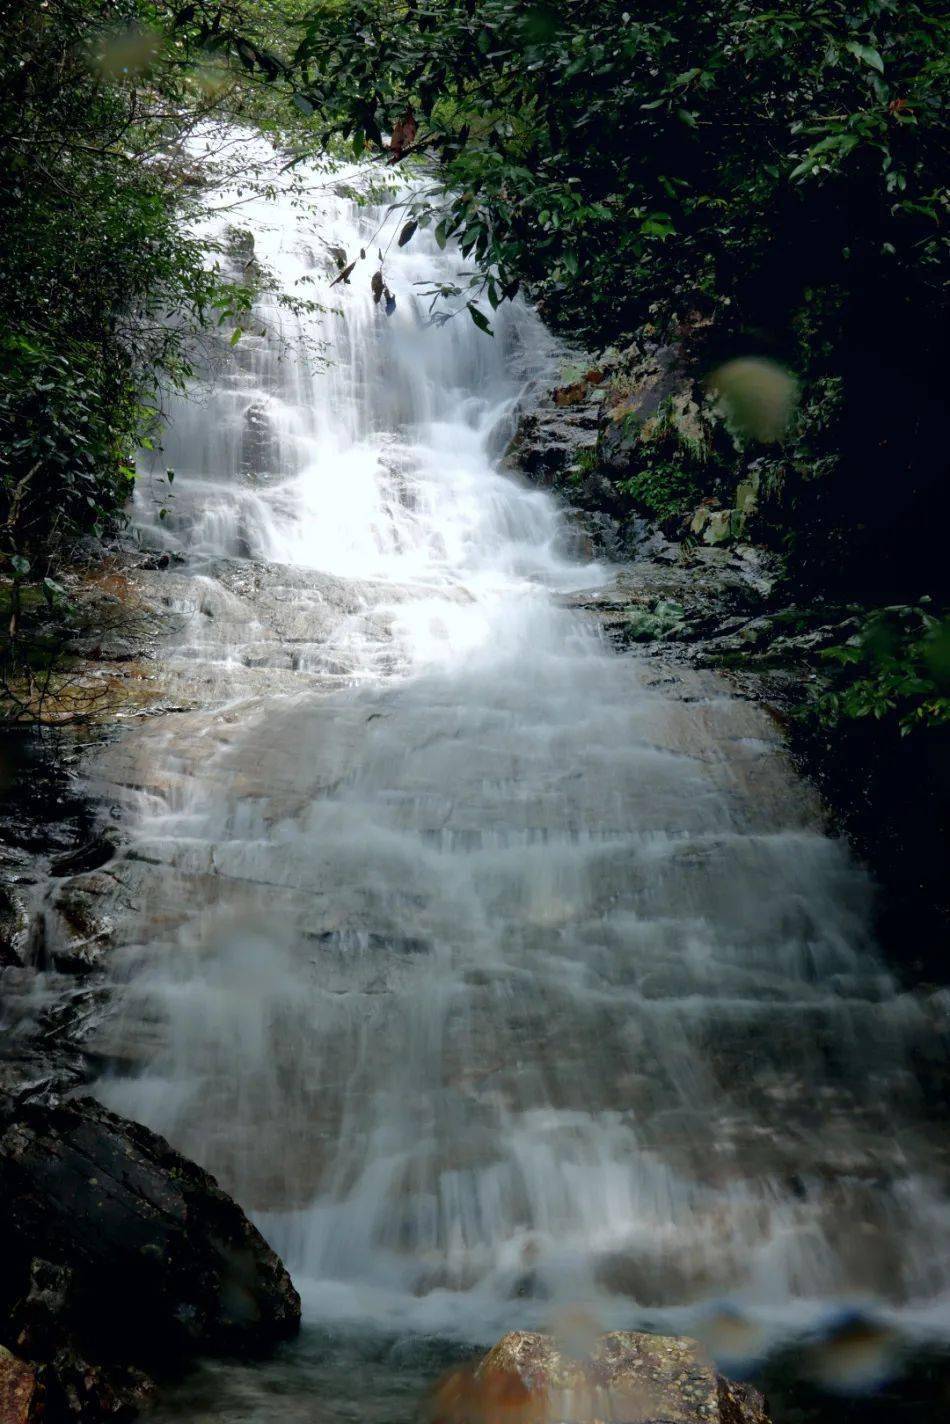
<point x="660" y="156"/>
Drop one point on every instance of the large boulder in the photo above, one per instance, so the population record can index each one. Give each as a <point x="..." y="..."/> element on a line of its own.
<point x="626" y="1377"/>
<point x="121" y="1257"/>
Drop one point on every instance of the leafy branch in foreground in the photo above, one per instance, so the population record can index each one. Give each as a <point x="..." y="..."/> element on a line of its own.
<point x="613" y="159"/>
<point x="104" y="278"/>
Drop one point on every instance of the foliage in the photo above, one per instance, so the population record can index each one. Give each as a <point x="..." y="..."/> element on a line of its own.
<point x="896" y="668"/>
<point x="102" y="280"/>
<point x="91" y="265"/>
<point x="662" y="489"/>
<point x="664" y="619"/>
<point x="743" y="178"/>
<point x="666" y="152"/>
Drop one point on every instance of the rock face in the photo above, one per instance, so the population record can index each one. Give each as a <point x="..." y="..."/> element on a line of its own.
<point x="121" y="1257"/>
<point x="19" y="1391"/>
<point x="638" y="437"/>
<point x="627" y="1377"/>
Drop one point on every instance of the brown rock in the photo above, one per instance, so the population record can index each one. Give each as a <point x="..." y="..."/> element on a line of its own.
<point x="19" y="1390"/>
<point x="571" y="395"/>
<point x="627" y="1378"/>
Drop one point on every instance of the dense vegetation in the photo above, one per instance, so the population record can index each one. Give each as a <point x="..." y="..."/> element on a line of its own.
<point x="736" y="176"/>
<point x="663" y="157"/>
<point x="101" y="285"/>
<point x="728" y="178"/>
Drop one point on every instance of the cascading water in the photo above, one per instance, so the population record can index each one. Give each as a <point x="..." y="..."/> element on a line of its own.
<point x="493" y="972"/>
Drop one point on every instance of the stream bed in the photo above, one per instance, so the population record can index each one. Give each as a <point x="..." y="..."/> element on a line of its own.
<point x="501" y="978"/>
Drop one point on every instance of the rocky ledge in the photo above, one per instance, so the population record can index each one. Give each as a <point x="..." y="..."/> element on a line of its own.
<point x="121" y="1260"/>
<point x="628" y="1377"/>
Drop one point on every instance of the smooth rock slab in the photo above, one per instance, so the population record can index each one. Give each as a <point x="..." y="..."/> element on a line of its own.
<point x="627" y="1378"/>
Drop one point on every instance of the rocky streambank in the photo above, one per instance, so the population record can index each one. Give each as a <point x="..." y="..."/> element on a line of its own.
<point x="121" y="1259"/>
<point x="699" y="530"/>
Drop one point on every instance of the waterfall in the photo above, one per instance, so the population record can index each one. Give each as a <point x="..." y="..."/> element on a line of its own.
<point x="493" y="972"/>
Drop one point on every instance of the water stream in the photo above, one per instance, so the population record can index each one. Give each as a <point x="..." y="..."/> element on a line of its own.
<point x="496" y="974"/>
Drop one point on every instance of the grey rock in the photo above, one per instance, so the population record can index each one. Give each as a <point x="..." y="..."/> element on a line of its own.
<point x="259" y="453"/>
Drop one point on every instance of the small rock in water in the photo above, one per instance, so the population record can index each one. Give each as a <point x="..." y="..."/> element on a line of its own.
<point x="636" y="1378"/>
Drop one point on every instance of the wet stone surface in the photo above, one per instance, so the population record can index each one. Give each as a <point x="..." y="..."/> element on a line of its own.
<point x="625" y="1376"/>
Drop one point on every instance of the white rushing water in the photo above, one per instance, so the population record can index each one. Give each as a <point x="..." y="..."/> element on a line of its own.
<point x="475" y="959"/>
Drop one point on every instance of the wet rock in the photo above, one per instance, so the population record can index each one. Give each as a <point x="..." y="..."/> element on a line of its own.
<point x="20" y="1401"/>
<point x="551" y="439"/>
<point x="644" y="380"/>
<point x="157" y="561"/>
<point x="574" y="394"/>
<point x="121" y="1257"/>
<point x="77" y="932"/>
<point x="73" y="1385"/>
<point x="259" y="452"/>
<point x="650" y="1379"/>
<point x="747" y="492"/>
<point x="701" y="517"/>
<point x="720" y="527"/>
<point x="92" y="854"/>
<point x="665" y="618"/>
<point x="15" y="922"/>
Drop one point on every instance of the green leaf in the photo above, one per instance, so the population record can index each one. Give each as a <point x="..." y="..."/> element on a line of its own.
<point x="53" y="592"/>
<point x="20" y="565"/>
<point x="658" y="225"/>
<point x="867" y="53"/>
<point x="407" y="232"/>
<point x="480" y="319"/>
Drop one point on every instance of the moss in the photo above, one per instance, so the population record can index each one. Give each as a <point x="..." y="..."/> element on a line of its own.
<point x="668" y="454"/>
<point x="663" y="489"/>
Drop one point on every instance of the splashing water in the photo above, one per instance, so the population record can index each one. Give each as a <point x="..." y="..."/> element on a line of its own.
<point x="495" y="973"/>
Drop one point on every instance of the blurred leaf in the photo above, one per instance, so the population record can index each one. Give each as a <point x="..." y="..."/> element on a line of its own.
<point x="758" y="395"/>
